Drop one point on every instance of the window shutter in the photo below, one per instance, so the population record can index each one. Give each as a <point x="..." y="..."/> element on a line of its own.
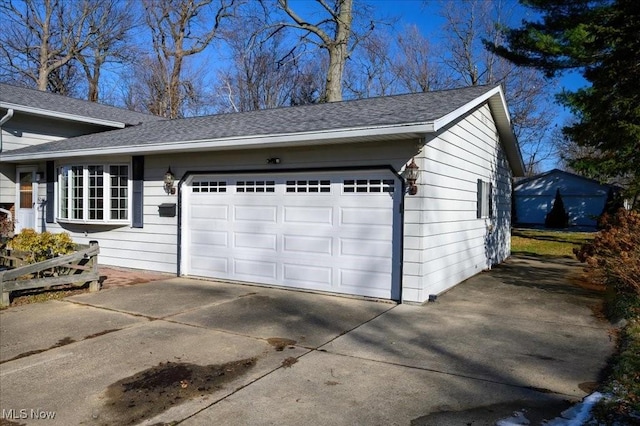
<point x="50" y="203"/>
<point x="137" y="165"/>
<point x="490" y="197"/>
<point x="480" y="198"/>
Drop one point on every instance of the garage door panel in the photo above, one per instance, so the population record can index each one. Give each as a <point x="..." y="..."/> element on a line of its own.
<point x="210" y="264"/>
<point x="299" y="230"/>
<point x="307" y="244"/>
<point x="358" y="282"/>
<point x="366" y="216"/>
<point x="304" y="274"/>
<point x="255" y="213"/>
<point x="255" y="241"/>
<point x="206" y="239"/>
<point x="210" y="212"/>
<point x="255" y="269"/>
<point x="311" y="214"/>
<point x="365" y="248"/>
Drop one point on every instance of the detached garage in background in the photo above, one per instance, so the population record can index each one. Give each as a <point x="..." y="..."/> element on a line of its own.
<point x="583" y="198"/>
<point x="397" y="197"/>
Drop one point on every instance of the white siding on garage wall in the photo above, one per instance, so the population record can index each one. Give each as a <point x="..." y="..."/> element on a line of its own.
<point x="445" y="242"/>
<point x="155" y="246"/>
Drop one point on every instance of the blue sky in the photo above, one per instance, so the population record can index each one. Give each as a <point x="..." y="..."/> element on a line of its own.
<point x="425" y="14"/>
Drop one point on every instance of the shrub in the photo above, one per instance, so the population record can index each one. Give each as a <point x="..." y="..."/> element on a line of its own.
<point x="613" y="258"/>
<point x="622" y="406"/>
<point x="6" y="226"/>
<point x="558" y="216"/>
<point x="612" y="204"/>
<point x="42" y="246"/>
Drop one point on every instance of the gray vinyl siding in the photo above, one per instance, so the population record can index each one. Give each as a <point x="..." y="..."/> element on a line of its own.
<point x="445" y="242"/>
<point x="7" y="183"/>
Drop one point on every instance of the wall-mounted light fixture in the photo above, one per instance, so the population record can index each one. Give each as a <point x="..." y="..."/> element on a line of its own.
<point x="273" y="160"/>
<point x="169" y="179"/>
<point x="410" y="175"/>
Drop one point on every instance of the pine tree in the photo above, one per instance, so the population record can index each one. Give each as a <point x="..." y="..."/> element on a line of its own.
<point x="558" y="216"/>
<point x="598" y="38"/>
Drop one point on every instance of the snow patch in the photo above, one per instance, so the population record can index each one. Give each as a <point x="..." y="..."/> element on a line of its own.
<point x="517" y="418"/>
<point x="577" y="415"/>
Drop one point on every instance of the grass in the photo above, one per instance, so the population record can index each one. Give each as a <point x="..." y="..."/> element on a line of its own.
<point x="546" y="243"/>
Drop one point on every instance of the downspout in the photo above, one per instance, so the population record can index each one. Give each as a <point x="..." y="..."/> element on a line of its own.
<point x="3" y="120"/>
<point x="7" y="212"/>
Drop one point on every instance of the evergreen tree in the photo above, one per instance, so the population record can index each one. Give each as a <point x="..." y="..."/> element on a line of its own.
<point x="558" y="216"/>
<point x="613" y="203"/>
<point x="600" y="39"/>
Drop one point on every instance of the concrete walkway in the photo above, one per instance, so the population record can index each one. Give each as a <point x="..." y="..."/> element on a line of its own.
<point x="522" y="337"/>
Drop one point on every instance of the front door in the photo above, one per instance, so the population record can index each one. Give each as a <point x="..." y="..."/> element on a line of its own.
<point x="25" y="199"/>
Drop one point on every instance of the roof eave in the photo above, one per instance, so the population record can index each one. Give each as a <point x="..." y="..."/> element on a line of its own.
<point x="498" y="105"/>
<point x="62" y="115"/>
<point x="325" y="137"/>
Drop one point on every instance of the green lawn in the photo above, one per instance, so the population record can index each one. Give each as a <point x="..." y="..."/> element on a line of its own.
<point x="547" y="243"/>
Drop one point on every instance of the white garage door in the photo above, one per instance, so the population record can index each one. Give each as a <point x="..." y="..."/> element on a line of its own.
<point x="336" y="232"/>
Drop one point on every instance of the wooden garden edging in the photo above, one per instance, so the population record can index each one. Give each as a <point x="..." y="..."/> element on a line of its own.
<point x="77" y="268"/>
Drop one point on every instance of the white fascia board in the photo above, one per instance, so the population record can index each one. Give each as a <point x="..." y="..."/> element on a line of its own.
<point x="244" y="142"/>
<point x="62" y="115"/>
<point x="457" y="113"/>
<point x="500" y="112"/>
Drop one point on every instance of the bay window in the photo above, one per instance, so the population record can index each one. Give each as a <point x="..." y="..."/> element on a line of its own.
<point x="94" y="193"/>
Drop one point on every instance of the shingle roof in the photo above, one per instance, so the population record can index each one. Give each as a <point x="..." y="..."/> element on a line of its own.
<point x="523" y="181"/>
<point x="363" y="113"/>
<point x="55" y="103"/>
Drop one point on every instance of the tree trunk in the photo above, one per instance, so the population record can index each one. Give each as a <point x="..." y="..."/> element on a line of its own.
<point x="338" y="52"/>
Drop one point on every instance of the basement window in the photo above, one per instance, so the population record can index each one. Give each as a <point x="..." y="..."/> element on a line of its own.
<point x="94" y="193"/>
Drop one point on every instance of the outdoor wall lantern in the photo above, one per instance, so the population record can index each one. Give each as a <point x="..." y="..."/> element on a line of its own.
<point x="410" y="175"/>
<point x="169" y="179"/>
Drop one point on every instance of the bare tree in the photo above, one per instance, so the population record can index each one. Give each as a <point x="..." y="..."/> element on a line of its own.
<point x="370" y="73"/>
<point x="262" y="74"/>
<point x="526" y="89"/>
<point x="41" y="37"/>
<point x="332" y="33"/>
<point x="179" y="29"/>
<point x="415" y="63"/>
<point x="114" y="20"/>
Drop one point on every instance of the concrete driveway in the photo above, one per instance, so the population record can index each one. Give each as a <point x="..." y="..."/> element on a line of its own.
<point x="519" y="338"/>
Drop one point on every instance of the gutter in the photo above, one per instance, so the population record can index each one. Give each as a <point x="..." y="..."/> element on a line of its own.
<point x="282" y="140"/>
<point x="3" y="120"/>
<point x="63" y="115"/>
<point x="7" y="212"/>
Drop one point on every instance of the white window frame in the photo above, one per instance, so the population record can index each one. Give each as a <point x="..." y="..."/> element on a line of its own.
<point x="106" y="193"/>
<point x="485" y="201"/>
